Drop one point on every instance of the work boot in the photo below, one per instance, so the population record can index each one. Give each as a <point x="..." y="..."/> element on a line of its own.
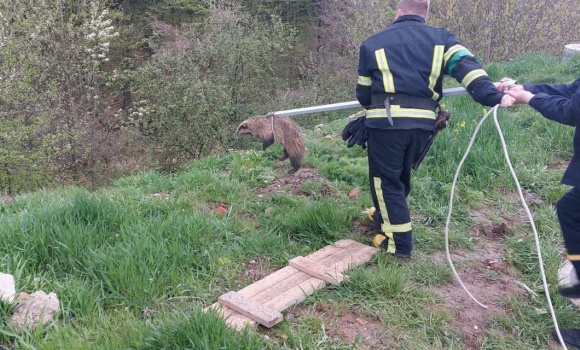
<point x="406" y="256"/>
<point x="570" y="336"/>
<point x="380" y="241"/>
<point x="571" y="291"/>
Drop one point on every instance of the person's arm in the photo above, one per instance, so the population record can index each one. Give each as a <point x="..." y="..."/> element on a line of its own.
<point x="462" y="65"/>
<point x="566" y="90"/>
<point x="557" y="108"/>
<point x="554" y="107"/>
<point x="364" y="82"/>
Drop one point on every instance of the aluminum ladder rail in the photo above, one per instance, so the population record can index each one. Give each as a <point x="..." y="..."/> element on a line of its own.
<point x="352" y="104"/>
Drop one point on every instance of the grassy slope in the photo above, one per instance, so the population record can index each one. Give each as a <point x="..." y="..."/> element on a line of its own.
<point x="135" y="263"/>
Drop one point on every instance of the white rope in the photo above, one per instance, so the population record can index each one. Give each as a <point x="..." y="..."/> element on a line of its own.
<point x="530" y="217"/>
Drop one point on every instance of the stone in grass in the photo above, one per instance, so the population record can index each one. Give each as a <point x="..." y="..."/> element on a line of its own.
<point x="7" y="287"/>
<point x="33" y="309"/>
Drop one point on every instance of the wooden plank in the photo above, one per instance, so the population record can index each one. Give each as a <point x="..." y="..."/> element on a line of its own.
<point x="268" y="281"/>
<point x="287" y="272"/>
<point x="279" y="291"/>
<point x="252" y="309"/>
<point x="316" y="270"/>
<point x="363" y="256"/>
<point x="328" y="253"/>
<point x="298" y="293"/>
<point x="281" y="287"/>
<point x="233" y="319"/>
<point x="289" y="286"/>
<point x="295" y="295"/>
<point x="330" y="249"/>
<point x="345" y="253"/>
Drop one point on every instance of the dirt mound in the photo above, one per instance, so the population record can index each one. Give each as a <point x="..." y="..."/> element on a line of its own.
<point x="294" y="183"/>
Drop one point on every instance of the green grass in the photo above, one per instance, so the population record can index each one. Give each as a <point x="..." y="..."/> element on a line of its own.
<point x="134" y="264"/>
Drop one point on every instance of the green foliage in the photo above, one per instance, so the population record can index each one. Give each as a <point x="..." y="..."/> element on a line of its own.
<point x="52" y="90"/>
<point x="197" y="330"/>
<point x="500" y="30"/>
<point x="197" y="87"/>
<point x="319" y="222"/>
<point x="6" y="310"/>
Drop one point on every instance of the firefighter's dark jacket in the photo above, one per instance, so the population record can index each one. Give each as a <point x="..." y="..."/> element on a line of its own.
<point x="411" y="58"/>
<point x="561" y="103"/>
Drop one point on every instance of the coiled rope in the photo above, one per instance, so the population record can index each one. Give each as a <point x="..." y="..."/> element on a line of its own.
<point x="537" y="239"/>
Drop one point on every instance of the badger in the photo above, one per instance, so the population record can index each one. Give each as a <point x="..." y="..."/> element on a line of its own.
<point x="272" y="129"/>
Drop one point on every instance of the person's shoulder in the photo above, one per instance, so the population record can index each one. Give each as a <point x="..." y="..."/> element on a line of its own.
<point x="442" y="29"/>
<point x="376" y="35"/>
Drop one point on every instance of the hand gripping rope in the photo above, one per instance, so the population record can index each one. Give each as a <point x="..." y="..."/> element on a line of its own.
<point x="540" y="261"/>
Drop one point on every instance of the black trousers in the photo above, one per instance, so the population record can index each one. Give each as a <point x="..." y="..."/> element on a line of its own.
<point x="391" y="154"/>
<point x="568" y="211"/>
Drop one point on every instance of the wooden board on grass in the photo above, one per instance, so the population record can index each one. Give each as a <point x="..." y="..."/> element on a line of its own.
<point x="290" y="285"/>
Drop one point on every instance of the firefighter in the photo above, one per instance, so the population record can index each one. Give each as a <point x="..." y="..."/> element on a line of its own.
<point x="561" y="103"/>
<point x="400" y="83"/>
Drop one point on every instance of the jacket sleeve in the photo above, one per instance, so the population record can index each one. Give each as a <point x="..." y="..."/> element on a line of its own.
<point x="565" y="90"/>
<point x="462" y="65"/>
<point x="558" y="108"/>
<point x="364" y="82"/>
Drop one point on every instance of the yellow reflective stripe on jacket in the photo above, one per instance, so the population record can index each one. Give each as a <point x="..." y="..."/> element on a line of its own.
<point x="436" y="69"/>
<point x="364" y="81"/>
<point x="575" y="257"/>
<point x="397" y="228"/>
<point x="452" y="51"/>
<point x="471" y="76"/>
<point x="384" y="68"/>
<point x="397" y="112"/>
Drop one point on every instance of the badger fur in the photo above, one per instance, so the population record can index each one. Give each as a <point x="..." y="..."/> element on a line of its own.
<point x="272" y="129"/>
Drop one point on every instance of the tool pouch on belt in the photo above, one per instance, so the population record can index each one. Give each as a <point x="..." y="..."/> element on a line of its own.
<point x="355" y="131"/>
<point x="442" y="118"/>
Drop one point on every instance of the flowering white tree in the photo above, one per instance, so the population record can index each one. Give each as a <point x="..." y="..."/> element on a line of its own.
<point x="51" y="80"/>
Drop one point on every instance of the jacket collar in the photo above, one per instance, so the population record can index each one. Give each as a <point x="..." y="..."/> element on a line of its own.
<point x="410" y="18"/>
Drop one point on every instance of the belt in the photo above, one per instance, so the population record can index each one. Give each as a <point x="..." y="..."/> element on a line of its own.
<point x="402" y="100"/>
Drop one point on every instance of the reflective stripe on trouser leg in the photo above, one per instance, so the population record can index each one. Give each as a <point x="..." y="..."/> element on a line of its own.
<point x="568" y="211"/>
<point x="384" y="214"/>
<point x="399" y="236"/>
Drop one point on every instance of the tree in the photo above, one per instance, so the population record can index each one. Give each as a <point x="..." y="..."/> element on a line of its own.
<point x="204" y="79"/>
<point x="51" y="58"/>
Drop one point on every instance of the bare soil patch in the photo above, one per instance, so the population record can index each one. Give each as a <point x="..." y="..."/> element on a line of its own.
<point x="369" y="334"/>
<point x="257" y="268"/>
<point x="294" y="183"/>
<point x="364" y="228"/>
<point x="560" y="165"/>
<point x="485" y="274"/>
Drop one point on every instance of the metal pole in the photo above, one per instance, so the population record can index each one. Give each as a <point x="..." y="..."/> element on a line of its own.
<point x="352" y="104"/>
